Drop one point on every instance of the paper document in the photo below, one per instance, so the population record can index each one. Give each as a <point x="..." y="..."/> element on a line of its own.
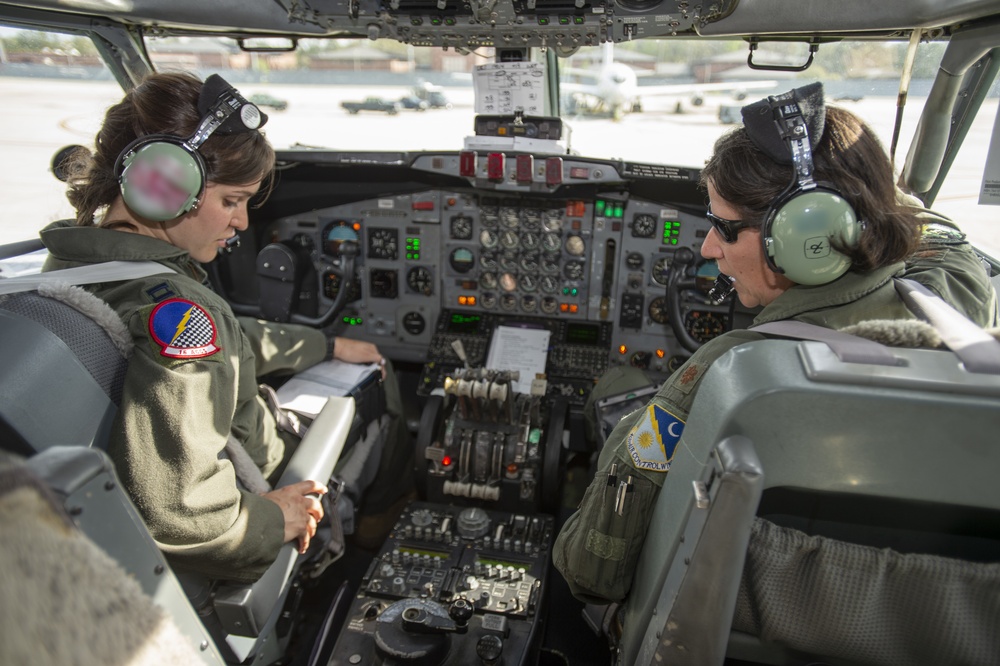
<point x="307" y="392"/>
<point x="522" y="349"/>
<point x="502" y="88"/>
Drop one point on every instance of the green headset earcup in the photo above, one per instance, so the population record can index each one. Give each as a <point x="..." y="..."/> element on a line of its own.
<point x="797" y="240"/>
<point x="161" y="180"/>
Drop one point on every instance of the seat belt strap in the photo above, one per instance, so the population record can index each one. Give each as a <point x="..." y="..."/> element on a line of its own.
<point x="110" y="271"/>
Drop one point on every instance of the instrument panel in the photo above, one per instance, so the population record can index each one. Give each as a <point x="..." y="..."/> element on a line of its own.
<point x="602" y="257"/>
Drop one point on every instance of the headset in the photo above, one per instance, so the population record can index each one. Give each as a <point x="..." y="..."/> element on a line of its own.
<point x="800" y="224"/>
<point x="161" y="176"/>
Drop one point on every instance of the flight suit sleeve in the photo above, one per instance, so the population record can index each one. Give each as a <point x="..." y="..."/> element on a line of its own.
<point x="597" y="549"/>
<point x="177" y="408"/>
<point x="946" y="264"/>
<point x="284" y="348"/>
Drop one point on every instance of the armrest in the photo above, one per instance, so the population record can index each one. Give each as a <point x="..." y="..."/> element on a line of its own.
<point x="247" y="610"/>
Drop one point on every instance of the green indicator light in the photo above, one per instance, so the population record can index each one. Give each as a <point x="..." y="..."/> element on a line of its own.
<point x="673" y="241"/>
<point x="449" y="21"/>
<point x="619" y="210"/>
<point x="563" y="20"/>
<point x="579" y="20"/>
<point x="542" y="20"/>
<point x="573" y="291"/>
<point x="599" y="207"/>
<point x="565" y="290"/>
<point x="435" y="21"/>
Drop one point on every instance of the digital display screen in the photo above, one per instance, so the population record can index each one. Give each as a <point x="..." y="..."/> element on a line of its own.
<point x="582" y="334"/>
<point x="463" y="323"/>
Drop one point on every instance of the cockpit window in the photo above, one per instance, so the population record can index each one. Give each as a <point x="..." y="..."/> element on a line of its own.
<point x="657" y="101"/>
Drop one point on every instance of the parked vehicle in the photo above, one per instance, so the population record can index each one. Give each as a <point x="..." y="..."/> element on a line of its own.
<point x="270" y="101"/>
<point x="413" y="102"/>
<point x="372" y="104"/>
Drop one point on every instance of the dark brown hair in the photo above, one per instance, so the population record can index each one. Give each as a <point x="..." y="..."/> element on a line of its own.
<point x="851" y="158"/>
<point x="163" y="103"/>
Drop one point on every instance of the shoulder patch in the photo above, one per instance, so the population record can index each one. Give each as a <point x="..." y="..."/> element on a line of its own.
<point x="652" y="441"/>
<point x="182" y="329"/>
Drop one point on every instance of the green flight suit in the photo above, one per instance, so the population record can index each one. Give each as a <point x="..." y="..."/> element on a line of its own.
<point x="183" y="398"/>
<point x="596" y="550"/>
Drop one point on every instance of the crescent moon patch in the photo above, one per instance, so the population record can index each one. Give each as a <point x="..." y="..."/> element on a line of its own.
<point x="652" y="441"/>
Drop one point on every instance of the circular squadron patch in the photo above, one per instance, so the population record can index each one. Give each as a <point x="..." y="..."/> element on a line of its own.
<point x="651" y="443"/>
<point x="182" y="329"/>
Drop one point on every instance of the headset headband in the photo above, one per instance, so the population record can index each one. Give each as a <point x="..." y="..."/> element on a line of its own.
<point x="806" y="222"/>
<point x="161" y="176"/>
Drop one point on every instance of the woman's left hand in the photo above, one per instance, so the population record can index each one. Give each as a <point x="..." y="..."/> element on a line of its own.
<point x="349" y="350"/>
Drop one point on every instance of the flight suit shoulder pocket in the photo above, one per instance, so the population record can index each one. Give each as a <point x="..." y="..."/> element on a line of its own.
<point x="601" y="543"/>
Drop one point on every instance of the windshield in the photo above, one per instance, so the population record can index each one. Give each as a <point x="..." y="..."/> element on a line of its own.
<point x="658" y="101"/>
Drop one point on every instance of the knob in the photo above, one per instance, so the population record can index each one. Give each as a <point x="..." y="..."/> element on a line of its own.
<point x="473" y="523"/>
<point x="461" y="611"/>
<point x="489" y="648"/>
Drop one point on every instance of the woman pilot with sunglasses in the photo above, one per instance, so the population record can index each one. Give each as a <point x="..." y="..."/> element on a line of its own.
<point x="807" y="224"/>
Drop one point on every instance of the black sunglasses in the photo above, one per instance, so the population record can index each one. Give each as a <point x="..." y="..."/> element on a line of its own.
<point x="729" y="229"/>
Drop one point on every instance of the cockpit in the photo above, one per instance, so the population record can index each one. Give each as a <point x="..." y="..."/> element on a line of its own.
<point x="505" y="196"/>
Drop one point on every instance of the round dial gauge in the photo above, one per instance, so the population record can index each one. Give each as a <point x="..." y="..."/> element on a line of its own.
<point x="488" y="300"/>
<point x="549" y="304"/>
<point x="509" y="240"/>
<point x="382" y="243"/>
<point x="705" y="276"/>
<point x="703" y="326"/>
<point x="529" y="303"/>
<point x="634" y="261"/>
<point x="337" y="233"/>
<point x="575" y="246"/>
<point x="661" y="269"/>
<point x="550" y="264"/>
<point x="488" y="280"/>
<point x="528" y="283"/>
<point x="552" y="219"/>
<point x="508" y="302"/>
<point x="414" y="323"/>
<point x="488" y="261"/>
<point x="549" y="284"/>
<point x="573" y="270"/>
<point x="508" y="282"/>
<point x="461" y="227"/>
<point x="508" y="261"/>
<point x="529" y="262"/>
<point x="461" y="259"/>
<point x="531" y="219"/>
<point x="550" y="242"/>
<point x="509" y="218"/>
<point x="488" y="238"/>
<point x="488" y="216"/>
<point x="530" y="241"/>
<point x="643" y="226"/>
<point x="420" y="280"/>
<point x="658" y="310"/>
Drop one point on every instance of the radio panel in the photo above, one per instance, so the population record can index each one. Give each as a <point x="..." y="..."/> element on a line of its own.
<point x="449" y="586"/>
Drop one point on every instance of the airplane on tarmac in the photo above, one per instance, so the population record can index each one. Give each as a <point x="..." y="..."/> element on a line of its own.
<point x="829" y="501"/>
<point x="612" y="88"/>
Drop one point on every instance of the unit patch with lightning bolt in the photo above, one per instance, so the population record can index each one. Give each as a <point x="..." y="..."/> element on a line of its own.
<point x="182" y="330"/>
